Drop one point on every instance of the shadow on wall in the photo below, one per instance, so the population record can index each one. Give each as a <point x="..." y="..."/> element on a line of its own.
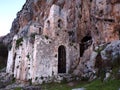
<point x="3" y="55"/>
<point x="85" y="43"/>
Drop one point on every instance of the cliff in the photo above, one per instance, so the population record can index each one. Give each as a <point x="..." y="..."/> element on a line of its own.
<point x="85" y="16"/>
<point x="72" y="30"/>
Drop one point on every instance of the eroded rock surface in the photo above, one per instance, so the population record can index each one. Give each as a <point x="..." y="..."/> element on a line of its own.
<point x="47" y="31"/>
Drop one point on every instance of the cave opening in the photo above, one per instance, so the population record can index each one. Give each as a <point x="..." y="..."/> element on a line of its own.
<point x="85" y="43"/>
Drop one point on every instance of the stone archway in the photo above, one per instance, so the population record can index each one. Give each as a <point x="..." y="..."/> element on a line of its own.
<point x="61" y="59"/>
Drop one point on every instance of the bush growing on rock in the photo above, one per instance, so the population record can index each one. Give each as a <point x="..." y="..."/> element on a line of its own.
<point x="19" y="42"/>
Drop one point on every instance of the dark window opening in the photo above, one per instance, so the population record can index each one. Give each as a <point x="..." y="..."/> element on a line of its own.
<point x="60" y="23"/>
<point x="61" y="59"/>
<point x="40" y="30"/>
<point x="109" y="20"/>
<point x="48" y="23"/>
<point x="85" y="43"/>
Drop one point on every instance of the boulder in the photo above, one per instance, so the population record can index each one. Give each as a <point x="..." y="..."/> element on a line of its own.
<point x="111" y="54"/>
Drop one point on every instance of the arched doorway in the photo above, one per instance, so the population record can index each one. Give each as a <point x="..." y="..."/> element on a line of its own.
<point x="61" y="59"/>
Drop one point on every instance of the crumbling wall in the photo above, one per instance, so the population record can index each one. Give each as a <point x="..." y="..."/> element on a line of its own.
<point x="62" y="22"/>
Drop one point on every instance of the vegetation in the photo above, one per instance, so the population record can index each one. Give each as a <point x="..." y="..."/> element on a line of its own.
<point x="13" y="80"/>
<point x="33" y="35"/>
<point x="19" y="42"/>
<point x="98" y="85"/>
<point x="18" y="88"/>
<point x="32" y="38"/>
<point x="94" y="85"/>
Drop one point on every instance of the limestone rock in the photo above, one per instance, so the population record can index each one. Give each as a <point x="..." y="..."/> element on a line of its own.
<point x="107" y="76"/>
<point x="111" y="54"/>
<point x="50" y="37"/>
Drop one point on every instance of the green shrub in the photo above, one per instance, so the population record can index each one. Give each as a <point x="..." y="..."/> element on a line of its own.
<point x="94" y="85"/>
<point x="18" y="88"/>
<point x="33" y="35"/>
<point x="13" y="80"/>
<point x="19" y="42"/>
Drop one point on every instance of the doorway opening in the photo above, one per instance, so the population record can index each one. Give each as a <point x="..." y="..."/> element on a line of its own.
<point x="61" y="59"/>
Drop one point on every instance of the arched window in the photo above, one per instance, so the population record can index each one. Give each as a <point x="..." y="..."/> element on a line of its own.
<point x="61" y="59"/>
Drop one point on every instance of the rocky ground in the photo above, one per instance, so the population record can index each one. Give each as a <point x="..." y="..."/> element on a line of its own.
<point x="7" y="82"/>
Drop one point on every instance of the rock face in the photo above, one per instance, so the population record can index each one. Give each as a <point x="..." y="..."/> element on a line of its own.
<point x="111" y="54"/>
<point x="53" y="37"/>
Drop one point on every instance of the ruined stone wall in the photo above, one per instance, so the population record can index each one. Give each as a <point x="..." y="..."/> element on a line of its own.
<point x="38" y="61"/>
<point x="20" y="59"/>
<point x="44" y="25"/>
